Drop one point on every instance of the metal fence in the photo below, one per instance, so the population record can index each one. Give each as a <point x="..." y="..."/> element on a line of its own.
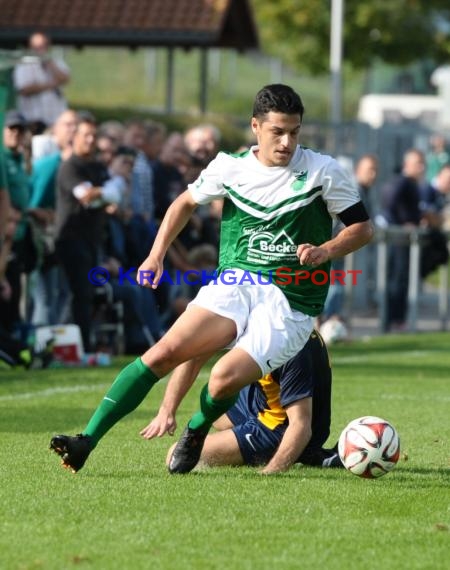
<point x="372" y="286"/>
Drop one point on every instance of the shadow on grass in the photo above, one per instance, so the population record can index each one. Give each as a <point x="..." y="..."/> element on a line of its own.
<point x="408" y="472"/>
<point x="411" y="477"/>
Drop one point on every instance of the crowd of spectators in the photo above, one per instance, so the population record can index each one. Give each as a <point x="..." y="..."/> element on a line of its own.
<point x="417" y="197"/>
<point x="411" y="201"/>
<point x="77" y="195"/>
<point x="95" y="198"/>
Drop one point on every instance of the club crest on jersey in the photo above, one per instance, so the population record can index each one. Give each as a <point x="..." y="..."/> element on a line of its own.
<point x="268" y="247"/>
<point x="300" y="179"/>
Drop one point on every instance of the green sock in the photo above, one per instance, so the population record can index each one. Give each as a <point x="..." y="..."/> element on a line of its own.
<point x="130" y="387"/>
<point x="210" y="409"/>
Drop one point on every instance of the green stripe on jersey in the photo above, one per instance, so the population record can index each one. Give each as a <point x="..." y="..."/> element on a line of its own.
<point x="297" y="199"/>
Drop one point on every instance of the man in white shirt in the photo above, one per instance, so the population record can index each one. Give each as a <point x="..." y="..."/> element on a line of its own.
<point x="38" y="80"/>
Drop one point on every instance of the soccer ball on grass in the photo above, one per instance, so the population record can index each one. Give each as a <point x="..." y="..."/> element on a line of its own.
<point x="369" y="447"/>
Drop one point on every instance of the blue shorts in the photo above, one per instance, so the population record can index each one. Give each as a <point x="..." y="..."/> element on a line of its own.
<point x="257" y="443"/>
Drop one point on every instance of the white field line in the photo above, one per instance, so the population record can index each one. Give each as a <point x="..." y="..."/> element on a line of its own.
<point x="401" y="355"/>
<point x="54" y="391"/>
<point x="203" y="377"/>
<point x="71" y="390"/>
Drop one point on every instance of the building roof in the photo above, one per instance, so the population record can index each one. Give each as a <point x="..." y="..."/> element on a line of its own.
<point x="133" y="23"/>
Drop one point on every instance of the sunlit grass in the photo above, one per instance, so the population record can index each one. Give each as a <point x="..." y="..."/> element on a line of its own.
<point x="123" y="510"/>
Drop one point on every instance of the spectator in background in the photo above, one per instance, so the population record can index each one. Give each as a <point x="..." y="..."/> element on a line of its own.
<point x="154" y="143"/>
<point x="14" y="133"/>
<point x="141" y="319"/>
<point x="106" y="149"/>
<point x="38" y="80"/>
<point x="169" y="170"/>
<point x="172" y="174"/>
<point x="196" y="245"/>
<point x="45" y="168"/>
<point x="120" y="168"/>
<point x="115" y="130"/>
<point x="434" y="196"/>
<point x="437" y="156"/>
<point x="168" y="184"/>
<point x="49" y="290"/>
<point x="401" y="205"/>
<point x="202" y="143"/>
<point x="366" y="171"/>
<point x="443" y="185"/>
<point x="5" y="207"/>
<point x="141" y="228"/>
<point x="80" y="216"/>
<point x="58" y="137"/>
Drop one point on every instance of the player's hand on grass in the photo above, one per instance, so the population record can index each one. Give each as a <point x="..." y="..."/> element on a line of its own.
<point x="163" y="423"/>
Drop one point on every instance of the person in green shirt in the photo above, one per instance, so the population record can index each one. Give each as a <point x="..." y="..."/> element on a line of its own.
<point x="14" y="132"/>
<point x="16" y="177"/>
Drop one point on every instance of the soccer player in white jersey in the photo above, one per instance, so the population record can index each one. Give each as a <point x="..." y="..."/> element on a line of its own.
<point x="273" y="274"/>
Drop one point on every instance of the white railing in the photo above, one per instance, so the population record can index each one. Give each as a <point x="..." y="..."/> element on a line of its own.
<point x="414" y="238"/>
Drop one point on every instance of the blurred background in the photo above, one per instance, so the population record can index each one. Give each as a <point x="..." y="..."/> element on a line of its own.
<point x="375" y="81"/>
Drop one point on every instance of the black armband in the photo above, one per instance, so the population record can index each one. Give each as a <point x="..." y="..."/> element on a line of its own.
<point x="354" y="215"/>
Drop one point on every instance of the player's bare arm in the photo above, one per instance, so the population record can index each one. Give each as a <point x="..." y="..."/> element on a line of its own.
<point x="177" y="216"/>
<point x="295" y="438"/>
<point x="347" y="240"/>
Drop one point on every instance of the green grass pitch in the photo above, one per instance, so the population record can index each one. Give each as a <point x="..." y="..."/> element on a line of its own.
<point x="124" y="511"/>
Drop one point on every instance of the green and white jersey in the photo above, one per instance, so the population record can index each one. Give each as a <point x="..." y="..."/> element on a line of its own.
<point x="269" y="211"/>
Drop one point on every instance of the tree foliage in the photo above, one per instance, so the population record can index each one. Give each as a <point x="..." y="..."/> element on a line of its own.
<point x="395" y="31"/>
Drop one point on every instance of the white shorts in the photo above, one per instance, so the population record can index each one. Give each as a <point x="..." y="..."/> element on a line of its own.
<point x="267" y="328"/>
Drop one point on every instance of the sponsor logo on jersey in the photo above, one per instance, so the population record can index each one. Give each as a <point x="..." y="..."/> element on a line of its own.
<point x="267" y="245"/>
